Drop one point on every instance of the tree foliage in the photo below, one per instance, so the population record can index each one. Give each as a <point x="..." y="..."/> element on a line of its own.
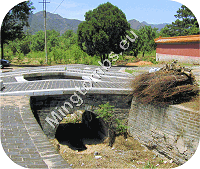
<point x="146" y="36"/>
<point x="62" y="49"/>
<point x="68" y="39"/>
<point x="21" y="46"/>
<point x="106" y="112"/>
<point x="38" y="40"/>
<point x="185" y="24"/>
<point x="14" y="21"/>
<point x="102" y="31"/>
<point x="132" y="48"/>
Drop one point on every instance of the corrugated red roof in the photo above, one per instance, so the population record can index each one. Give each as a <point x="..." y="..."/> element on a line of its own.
<point x="178" y="39"/>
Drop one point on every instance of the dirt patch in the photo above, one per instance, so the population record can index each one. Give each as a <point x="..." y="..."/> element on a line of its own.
<point x="125" y="153"/>
<point x="193" y="104"/>
<point x="140" y="63"/>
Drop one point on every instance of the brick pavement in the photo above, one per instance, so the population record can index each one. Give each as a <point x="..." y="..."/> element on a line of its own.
<point x="22" y="138"/>
<point x="112" y="80"/>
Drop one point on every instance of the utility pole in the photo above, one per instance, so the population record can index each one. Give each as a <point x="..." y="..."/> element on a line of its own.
<point x="45" y="27"/>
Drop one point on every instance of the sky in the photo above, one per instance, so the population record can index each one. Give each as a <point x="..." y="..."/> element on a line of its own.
<point x="141" y="10"/>
<point x="151" y="11"/>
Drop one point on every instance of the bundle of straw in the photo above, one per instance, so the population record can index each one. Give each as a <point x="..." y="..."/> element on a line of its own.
<point x="170" y="84"/>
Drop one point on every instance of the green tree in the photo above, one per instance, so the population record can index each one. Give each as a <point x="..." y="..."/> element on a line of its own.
<point x="68" y="34"/>
<point x="102" y="31"/>
<point x="145" y="40"/>
<point x="37" y="42"/>
<point x="52" y="39"/>
<point x="186" y="24"/>
<point x="13" y="23"/>
<point x="21" y="45"/>
<point x="68" y="39"/>
<point x="134" y="47"/>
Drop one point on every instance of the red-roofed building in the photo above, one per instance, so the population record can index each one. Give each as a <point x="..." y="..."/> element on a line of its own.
<point x="182" y="48"/>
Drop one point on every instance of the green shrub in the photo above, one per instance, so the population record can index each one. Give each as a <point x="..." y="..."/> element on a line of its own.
<point x="121" y="129"/>
<point x="41" y="61"/>
<point x="50" y="58"/>
<point x="106" y="112"/>
<point x="153" y="60"/>
<point x="20" y="58"/>
<point x="8" y="54"/>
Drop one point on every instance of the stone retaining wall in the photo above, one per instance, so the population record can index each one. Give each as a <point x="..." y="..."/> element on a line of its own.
<point x="172" y="130"/>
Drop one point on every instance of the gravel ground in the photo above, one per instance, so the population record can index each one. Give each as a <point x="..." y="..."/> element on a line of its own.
<point x="125" y="153"/>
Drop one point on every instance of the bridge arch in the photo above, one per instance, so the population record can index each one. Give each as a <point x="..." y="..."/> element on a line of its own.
<point x="91" y="130"/>
<point x="50" y="110"/>
<point x="53" y="119"/>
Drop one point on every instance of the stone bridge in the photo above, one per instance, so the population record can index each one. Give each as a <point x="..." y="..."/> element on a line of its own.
<point x="57" y="91"/>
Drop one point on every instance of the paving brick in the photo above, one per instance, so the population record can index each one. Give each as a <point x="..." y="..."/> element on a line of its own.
<point x="18" y="142"/>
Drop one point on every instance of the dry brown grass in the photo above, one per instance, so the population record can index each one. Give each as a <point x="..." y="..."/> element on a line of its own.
<point x="126" y="153"/>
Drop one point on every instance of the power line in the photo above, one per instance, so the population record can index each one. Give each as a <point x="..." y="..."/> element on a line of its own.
<point x="58" y="6"/>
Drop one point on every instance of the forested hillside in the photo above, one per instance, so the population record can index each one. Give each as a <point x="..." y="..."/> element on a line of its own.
<point x="54" y="22"/>
<point x="60" y="24"/>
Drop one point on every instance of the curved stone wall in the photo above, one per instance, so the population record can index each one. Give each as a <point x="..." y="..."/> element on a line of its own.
<point x="171" y="130"/>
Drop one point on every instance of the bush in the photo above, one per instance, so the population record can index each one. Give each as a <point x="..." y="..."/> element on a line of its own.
<point x="121" y="129"/>
<point x="153" y="60"/>
<point x="20" y="57"/>
<point x="106" y="112"/>
<point x="58" y="54"/>
<point x="8" y="54"/>
<point x="61" y="49"/>
<point x="41" y="61"/>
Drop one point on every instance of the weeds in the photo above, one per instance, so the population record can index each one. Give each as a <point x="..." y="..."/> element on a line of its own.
<point x="149" y="165"/>
<point x="106" y="112"/>
<point x="131" y="71"/>
<point x="120" y="128"/>
<point x="41" y="61"/>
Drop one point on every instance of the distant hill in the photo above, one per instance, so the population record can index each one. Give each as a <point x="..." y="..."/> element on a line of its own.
<point x="159" y="26"/>
<point x="136" y="24"/>
<point x="60" y="24"/>
<point x="54" y="21"/>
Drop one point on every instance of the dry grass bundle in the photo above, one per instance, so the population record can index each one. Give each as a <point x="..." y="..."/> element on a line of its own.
<point x="170" y="84"/>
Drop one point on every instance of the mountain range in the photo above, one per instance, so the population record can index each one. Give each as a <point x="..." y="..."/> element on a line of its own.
<point x="60" y="24"/>
<point x="136" y="24"/>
